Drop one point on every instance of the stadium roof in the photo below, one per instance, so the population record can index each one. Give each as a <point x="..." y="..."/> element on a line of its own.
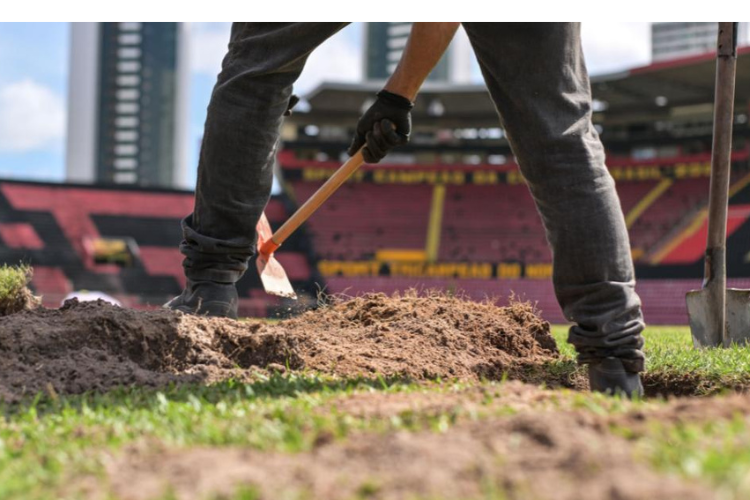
<point x="648" y="92"/>
<point x="459" y="102"/>
<point x="680" y="82"/>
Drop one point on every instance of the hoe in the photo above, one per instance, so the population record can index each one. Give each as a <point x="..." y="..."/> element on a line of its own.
<point x="273" y="276"/>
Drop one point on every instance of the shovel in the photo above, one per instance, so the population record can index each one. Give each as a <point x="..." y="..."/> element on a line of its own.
<point x="273" y="276"/>
<point x="720" y="316"/>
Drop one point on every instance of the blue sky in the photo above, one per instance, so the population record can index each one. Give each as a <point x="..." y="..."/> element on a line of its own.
<point x="34" y="80"/>
<point x="33" y="53"/>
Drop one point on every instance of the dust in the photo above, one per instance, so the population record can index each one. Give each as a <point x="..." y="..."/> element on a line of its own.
<point x="95" y="346"/>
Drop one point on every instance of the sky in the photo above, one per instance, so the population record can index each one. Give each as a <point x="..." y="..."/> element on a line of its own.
<point x="34" y="58"/>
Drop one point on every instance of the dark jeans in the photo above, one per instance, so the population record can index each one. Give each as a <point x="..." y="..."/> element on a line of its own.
<point x="538" y="81"/>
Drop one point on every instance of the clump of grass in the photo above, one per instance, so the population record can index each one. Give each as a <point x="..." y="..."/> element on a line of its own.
<point x="15" y="295"/>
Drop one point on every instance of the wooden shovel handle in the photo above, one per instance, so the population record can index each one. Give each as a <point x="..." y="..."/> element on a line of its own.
<point x="313" y="203"/>
<point x="726" y="64"/>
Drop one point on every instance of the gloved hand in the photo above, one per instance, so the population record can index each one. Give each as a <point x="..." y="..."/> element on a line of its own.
<point x="385" y="125"/>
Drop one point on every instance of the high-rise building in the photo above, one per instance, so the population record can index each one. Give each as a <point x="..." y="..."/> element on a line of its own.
<point x="677" y="40"/>
<point x="127" y="104"/>
<point x="385" y="42"/>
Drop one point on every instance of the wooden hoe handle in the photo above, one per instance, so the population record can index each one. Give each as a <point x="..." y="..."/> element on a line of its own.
<point x="313" y="203"/>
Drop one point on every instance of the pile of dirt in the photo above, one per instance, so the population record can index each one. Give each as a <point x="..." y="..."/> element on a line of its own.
<point x="557" y="456"/>
<point x="95" y="346"/>
<point x="428" y="337"/>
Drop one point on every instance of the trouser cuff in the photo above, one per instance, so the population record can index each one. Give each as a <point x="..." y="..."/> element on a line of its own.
<point x="218" y="275"/>
<point x="633" y="361"/>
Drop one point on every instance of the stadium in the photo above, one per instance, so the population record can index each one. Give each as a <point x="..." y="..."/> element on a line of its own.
<point x="449" y="211"/>
<point x="425" y="356"/>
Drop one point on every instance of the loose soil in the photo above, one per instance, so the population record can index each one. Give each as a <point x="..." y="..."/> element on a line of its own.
<point x="95" y="346"/>
<point x="546" y="449"/>
<point x="562" y="455"/>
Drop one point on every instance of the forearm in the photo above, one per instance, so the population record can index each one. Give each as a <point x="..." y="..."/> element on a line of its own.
<point x="426" y="45"/>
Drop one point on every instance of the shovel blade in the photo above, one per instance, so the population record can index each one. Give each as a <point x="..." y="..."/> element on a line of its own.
<point x="705" y="318"/>
<point x="738" y="316"/>
<point x="272" y="274"/>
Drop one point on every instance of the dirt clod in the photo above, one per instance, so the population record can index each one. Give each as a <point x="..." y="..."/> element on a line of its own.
<point x="95" y="346"/>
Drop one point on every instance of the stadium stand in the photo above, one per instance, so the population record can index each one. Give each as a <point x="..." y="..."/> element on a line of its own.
<point x="481" y="233"/>
<point x="447" y="211"/>
<point x="675" y="205"/>
<point x="123" y="242"/>
<point x="492" y="223"/>
<point x="663" y="299"/>
<point x="361" y="219"/>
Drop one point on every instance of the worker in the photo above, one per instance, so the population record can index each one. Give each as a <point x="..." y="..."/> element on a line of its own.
<point x="538" y="81"/>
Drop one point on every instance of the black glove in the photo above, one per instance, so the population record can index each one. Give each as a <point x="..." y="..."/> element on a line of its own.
<point x="385" y="125"/>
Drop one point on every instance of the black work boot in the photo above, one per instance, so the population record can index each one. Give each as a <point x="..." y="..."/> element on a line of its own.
<point x="206" y="298"/>
<point x="610" y="376"/>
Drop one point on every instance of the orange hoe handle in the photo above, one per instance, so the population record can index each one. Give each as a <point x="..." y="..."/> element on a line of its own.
<point x="313" y="203"/>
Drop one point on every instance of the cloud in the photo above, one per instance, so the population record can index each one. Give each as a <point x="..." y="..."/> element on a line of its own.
<point x="208" y="44"/>
<point x="608" y="46"/>
<point x="32" y="117"/>
<point x="339" y="59"/>
<point x="614" y="46"/>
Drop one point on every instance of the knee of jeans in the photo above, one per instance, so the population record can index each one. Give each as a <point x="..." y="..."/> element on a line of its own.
<point x="557" y="182"/>
<point x="564" y="167"/>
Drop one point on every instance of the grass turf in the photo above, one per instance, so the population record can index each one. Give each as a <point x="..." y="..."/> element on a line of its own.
<point x="47" y="441"/>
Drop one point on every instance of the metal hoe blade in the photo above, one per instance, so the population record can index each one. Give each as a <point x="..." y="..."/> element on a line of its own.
<point x="273" y="276"/>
